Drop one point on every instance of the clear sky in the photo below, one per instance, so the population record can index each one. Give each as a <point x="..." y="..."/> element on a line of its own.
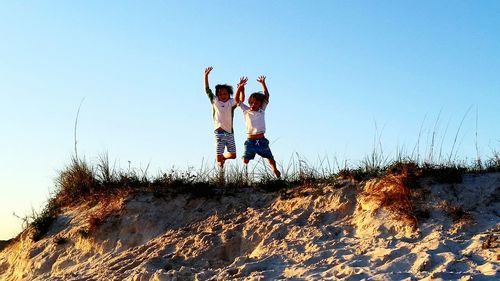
<point x="340" y="73"/>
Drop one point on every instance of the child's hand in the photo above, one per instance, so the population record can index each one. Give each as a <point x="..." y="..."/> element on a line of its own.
<point x="207" y="70"/>
<point x="243" y="81"/>
<point x="262" y="81"/>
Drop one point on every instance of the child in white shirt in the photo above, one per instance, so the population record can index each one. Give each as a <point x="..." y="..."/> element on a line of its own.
<point x="222" y="112"/>
<point x="255" y="123"/>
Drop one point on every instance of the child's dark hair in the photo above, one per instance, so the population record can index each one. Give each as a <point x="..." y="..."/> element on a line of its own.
<point x="259" y="96"/>
<point x="223" y="86"/>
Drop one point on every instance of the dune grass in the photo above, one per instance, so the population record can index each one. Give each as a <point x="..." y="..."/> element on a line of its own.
<point x="81" y="181"/>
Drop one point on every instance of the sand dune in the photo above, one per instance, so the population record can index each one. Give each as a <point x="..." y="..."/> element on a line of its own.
<point x="326" y="232"/>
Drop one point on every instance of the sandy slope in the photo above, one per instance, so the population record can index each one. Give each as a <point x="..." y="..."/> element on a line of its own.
<point x="311" y="233"/>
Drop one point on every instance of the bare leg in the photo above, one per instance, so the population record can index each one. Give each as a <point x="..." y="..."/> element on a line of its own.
<point x="245" y="161"/>
<point x="220" y="160"/>
<point x="272" y="162"/>
<point x="220" y="163"/>
<point x="229" y="155"/>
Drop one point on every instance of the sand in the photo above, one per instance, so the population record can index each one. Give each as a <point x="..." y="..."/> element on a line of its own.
<point x="313" y="232"/>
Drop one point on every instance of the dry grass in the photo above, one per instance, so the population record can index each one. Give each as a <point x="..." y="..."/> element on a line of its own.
<point x="41" y="222"/>
<point x="77" y="179"/>
<point x="82" y="182"/>
<point x="357" y="174"/>
<point x="393" y="193"/>
<point x="106" y="207"/>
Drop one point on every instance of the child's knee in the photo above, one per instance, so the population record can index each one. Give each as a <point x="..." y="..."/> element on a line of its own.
<point x="246" y="160"/>
<point x="220" y="158"/>
<point x="230" y="155"/>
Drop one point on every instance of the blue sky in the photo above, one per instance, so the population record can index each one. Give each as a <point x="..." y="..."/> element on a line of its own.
<point x="340" y="73"/>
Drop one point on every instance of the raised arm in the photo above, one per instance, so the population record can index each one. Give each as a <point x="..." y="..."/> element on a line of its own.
<point x="207" y="71"/>
<point x="262" y="81"/>
<point x="240" y="91"/>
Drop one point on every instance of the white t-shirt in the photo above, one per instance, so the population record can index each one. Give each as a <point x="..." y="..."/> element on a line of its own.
<point x="223" y="113"/>
<point x="255" y="121"/>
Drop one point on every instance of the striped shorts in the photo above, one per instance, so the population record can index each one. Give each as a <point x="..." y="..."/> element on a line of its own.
<point x="224" y="139"/>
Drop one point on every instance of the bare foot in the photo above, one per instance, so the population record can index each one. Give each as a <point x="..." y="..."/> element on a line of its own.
<point x="277" y="173"/>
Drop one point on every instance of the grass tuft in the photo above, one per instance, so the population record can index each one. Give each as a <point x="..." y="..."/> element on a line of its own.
<point x="392" y="192"/>
<point x="41" y="222"/>
<point x="493" y="164"/>
<point x="77" y="179"/>
<point x="452" y="173"/>
<point x="357" y="174"/>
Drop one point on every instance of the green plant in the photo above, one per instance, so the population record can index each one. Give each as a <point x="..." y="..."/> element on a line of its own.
<point x="76" y="180"/>
<point x="493" y="164"/>
<point x="402" y="166"/>
<point x="451" y="173"/>
<point x="41" y="222"/>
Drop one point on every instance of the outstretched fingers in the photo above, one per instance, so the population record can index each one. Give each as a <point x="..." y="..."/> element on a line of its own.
<point x="208" y="69"/>
<point x="243" y="81"/>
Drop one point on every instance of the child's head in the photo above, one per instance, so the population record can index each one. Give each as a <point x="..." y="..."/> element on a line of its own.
<point x="223" y="92"/>
<point x="256" y="100"/>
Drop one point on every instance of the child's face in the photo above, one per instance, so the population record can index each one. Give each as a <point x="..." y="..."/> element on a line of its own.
<point x="223" y="95"/>
<point x="254" y="104"/>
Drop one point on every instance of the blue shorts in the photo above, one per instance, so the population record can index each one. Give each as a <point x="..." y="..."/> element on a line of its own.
<point x="258" y="146"/>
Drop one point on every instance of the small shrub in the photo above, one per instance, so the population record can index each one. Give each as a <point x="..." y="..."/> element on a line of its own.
<point x="357" y="174"/>
<point x="493" y="164"/>
<point x="76" y="181"/>
<point x="444" y="173"/>
<point x="393" y="194"/>
<point x="131" y="180"/>
<point x="272" y="185"/>
<point x="41" y="222"/>
<point x="409" y="168"/>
